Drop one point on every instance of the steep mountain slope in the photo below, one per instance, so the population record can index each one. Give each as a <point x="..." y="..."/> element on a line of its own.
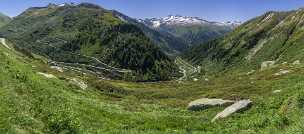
<point x="88" y="34"/>
<point x="192" y="30"/>
<point x="170" y="44"/>
<point x="274" y="36"/>
<point x="4" y="19"/>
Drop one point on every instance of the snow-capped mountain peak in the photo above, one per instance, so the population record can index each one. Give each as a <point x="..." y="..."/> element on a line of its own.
<point x="174" y="20"/>
<point x="183" y="20"/>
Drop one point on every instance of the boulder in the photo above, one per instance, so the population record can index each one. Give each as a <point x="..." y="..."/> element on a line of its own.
<point x="282" y="72"/>
<point x="205" y="103"/>
<point x="297" y="62"/>
<point x="237" y="106"/>
<point x="267" y="64"/>
<point x="284" y="63"/>
<point x="276" y="91"/>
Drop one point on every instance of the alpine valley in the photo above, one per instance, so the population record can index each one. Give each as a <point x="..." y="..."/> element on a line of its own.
<point x="192" y="30"/>
<point x="81" y="68"/>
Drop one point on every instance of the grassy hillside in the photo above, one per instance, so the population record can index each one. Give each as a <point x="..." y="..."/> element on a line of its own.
<point x="4" y="19"/>
<point x="274" y="36"/>
<point x="86" y="32"/>
<point x="32" y="103"/>
<point x="196" y="34"/>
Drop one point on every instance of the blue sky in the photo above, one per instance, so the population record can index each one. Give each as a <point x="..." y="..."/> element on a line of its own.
<point x="213" y="10"/>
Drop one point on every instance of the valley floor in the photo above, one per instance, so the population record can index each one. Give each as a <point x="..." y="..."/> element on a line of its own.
<point x="33" y="103"/>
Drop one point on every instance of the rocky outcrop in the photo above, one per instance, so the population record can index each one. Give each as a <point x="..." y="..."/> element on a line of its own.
<point x="3" y="42"/>
<point x="47" y="75"/>
<point x="237" y="106"/>
<point x="59" y="69"/>
<point x="297" y="62"/>
<point x="282" y="72"/>
<point x="205" y="103"/>
<point x="267" y="64"/>
<point x="79" y="83"/>
<point x="276" y="91"/>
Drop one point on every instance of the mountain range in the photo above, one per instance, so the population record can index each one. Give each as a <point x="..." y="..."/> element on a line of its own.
<point x="193" y="30"/>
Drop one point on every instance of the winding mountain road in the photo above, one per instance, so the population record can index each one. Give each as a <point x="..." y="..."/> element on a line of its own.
<point x="186" y="68"/>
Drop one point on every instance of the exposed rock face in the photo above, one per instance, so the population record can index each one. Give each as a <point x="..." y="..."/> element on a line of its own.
<point x="205" y="103"/>
<point x="240" y="105"/>
<point x="267" y="64"/>
<point x="79" y="83"/>
<point x="59" y="69"/>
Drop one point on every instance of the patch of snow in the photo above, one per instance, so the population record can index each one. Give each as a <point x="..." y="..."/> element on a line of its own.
<point x="231" y="23"/>
<point x="184" y="20"/>
<point x="61" y="5"/>
<point x="156" y="24"/>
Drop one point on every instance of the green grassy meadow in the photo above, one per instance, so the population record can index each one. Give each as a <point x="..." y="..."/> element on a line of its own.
<point x="32" y="103"/>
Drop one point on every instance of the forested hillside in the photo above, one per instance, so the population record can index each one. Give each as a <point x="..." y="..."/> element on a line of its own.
<point x="85" y="32"/>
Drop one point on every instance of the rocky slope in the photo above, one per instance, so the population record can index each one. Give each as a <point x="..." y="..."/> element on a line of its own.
<point x="192" y="30"/>
<point x="82" y="33"/>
